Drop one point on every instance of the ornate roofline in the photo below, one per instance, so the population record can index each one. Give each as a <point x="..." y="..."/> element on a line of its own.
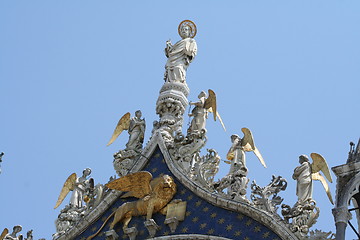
<point x="157" y="140"/>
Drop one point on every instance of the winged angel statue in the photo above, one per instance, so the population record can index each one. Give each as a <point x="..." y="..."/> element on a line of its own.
<point x="236" y="153"/>
<point x="154" y="195"/>
<point x="136" y="130"/>
<point x="201" y="110"/>
<point x="307" y="172"/>
<point x="83" y="190"/>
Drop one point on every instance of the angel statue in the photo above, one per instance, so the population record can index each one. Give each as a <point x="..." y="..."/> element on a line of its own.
<point x="181" y="53"/>
<point x="5" y="235"/>
<point x="307" y="172"/>
<point x="136" y="130"/>
<point x="201" y="110"/>
<point x="79" y="186"/>
<point x="305" y="213"/>
<point x="236" y="154"/>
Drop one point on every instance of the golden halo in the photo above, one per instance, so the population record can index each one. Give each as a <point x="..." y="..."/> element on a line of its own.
<point x="191" y="25"/>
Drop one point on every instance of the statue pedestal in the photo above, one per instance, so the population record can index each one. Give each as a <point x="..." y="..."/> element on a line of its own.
<point x="131" y="232"/>
<point x="171" y="105"/>
<point x="111" y="235"/>
<point x="173" y="223"/>
<point x="151" y="226"/>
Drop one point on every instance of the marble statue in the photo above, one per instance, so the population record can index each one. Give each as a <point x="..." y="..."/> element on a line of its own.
<point x="305" y="213"/>
<point x="181" y="54"/>
<point x="136" y="130"/>
<point x="13" y="235"/>
<point x="83" y="191"/>
<point x="199" y="114"/>
<point x="201" y="110"/>
<point x="307" y="172"/>
<point x="124" y="159"/>
<point x="236" y="153"/>
<point x="29" y="235"/>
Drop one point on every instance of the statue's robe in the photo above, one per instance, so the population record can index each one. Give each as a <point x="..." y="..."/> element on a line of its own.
<point x="179" y="57"/>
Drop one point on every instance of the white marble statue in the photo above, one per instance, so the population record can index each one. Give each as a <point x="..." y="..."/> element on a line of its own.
<point x="12" y="236"/>
<point x="181" y="53"/>
<point x="199" y="114"/>
<point x="201" y="110"/>
<point x="236" y="154"/>
<point x="79" y="186"/>
<point x="307" y="172"/>
<point x="136" y="130"/>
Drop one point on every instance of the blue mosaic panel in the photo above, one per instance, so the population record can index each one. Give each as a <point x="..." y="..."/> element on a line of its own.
<point x="201" y="217"/>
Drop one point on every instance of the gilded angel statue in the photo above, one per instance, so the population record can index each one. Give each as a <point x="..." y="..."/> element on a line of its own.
<point x="236" y="153"/>
<point x="136" y="130"/>
<point x="154" y="195"/>
<point x="307" y="172"/>
<point x="79" y="187"/>
<point x="201" y="110"/>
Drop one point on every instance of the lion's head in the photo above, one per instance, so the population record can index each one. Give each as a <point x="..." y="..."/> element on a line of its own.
<point x="164" y="186"/>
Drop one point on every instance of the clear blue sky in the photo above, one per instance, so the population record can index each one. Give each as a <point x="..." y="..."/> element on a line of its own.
<point x="288" y="70"/>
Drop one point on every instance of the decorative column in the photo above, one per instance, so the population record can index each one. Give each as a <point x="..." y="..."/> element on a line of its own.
<point x="347" y="185"/>
<point x="341" y="217"/>
<point x="171" y="106"/>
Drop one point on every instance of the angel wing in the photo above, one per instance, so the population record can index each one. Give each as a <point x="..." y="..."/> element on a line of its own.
<point x="210" y="105"/>
<point x="67" y="187"/>
<point x="320" y="164"/>
<point x="248" y="145"/>
<point x="136" y="184"/>
<point x="122" y="125"/>
<point x="318" y="176"/>
<point x="4" y="233"/>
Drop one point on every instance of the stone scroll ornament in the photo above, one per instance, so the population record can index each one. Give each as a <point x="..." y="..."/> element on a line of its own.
<point x="154" y="196"/>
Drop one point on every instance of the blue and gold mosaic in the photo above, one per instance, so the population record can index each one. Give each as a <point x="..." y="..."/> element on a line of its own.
<point x="201" y="217"/>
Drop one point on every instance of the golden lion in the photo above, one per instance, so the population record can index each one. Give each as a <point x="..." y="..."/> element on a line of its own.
<point x="154" y="196"/>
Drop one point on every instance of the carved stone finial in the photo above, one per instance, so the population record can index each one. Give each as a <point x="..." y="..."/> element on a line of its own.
<point x="354" y="154"/>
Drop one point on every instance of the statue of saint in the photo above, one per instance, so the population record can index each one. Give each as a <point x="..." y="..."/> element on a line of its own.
<point x="181" y="53"/>
<point x="302" y="174"/>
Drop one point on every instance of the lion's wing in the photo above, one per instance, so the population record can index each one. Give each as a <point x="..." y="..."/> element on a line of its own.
<point x="136" y="184"/>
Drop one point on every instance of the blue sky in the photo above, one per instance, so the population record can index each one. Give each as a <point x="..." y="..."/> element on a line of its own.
<point x="287" y="70"/>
